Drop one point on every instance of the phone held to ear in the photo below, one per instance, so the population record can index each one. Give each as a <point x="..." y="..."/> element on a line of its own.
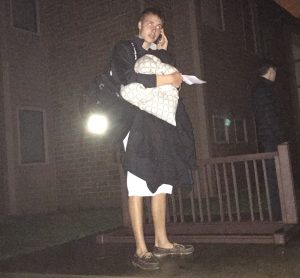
<point x="158" y="39"/>
<point x="153" y="45"/>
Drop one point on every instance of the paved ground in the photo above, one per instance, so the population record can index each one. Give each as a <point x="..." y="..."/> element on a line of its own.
<point x="85" y="258"/>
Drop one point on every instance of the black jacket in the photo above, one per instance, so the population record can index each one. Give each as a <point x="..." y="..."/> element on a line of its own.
<point x="156" y="151"/>
<point x="269" y="129"/>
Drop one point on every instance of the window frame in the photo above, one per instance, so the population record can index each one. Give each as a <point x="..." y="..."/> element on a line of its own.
<point x="222" y="29"/>
<point x="246" y="141"/>
<point x="254" y="26"/>
<point x="226" y="129"/>
<point x="37" y="9"/>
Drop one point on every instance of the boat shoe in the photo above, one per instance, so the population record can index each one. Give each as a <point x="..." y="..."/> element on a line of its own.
<point x="177" y="249"/>
<point x="146" y="262"/>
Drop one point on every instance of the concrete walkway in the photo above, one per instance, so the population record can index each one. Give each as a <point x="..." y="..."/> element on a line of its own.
<point x="85" y="258"/>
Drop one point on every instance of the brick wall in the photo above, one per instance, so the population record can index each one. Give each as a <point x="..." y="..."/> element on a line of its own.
<point x="81" y="35"/>
<point x="27" y="188"/>
<point x="228" y="70"/>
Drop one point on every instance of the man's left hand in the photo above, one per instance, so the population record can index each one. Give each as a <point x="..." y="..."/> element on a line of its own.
<point x="163" y="43"/>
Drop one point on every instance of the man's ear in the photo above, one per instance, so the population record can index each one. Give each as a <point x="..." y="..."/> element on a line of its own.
<point x="140" y="25"/>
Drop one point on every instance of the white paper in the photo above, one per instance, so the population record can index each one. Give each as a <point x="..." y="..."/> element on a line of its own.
<point x="192" y="79"/>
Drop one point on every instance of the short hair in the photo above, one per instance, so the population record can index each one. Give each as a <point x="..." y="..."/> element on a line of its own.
<point x="154" y="11"/>
<point x="265" y="65"/>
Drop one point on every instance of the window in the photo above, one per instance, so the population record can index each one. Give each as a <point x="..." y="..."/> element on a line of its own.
<point x="24" y="15"/>
<point x="32" y="136"/>
<point x="249" y="25"/>
<point x="297" y="71"/>
<point x="240" y="131"/>
<point x="265" y="40"/>
<point x="296" y="54"/>
<point x="212" y="14"/>
<point x="220" y="129"/>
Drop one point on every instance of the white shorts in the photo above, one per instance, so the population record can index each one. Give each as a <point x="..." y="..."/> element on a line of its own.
<point x="138" y="187"/>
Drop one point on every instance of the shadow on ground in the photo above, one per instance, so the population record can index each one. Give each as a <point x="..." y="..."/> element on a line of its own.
<point x="28" y="234"/>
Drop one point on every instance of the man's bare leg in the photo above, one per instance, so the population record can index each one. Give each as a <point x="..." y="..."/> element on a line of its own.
<point x="163" y="247"/>
<point x="135" y="204"/>
<point x="158" y="207"/>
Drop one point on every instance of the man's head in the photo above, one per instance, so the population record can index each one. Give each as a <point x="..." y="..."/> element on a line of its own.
<point x="267" y="69"/>
<point x="150" y="25"/>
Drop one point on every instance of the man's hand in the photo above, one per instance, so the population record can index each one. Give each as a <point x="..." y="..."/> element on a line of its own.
<point x="163" y="42"/>
<point x="174" y="79"/>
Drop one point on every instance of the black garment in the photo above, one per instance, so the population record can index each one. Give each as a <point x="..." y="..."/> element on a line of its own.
<point x="156" y="151"/>
<point x="270" y="133"/>
<point x="267" y="114"/>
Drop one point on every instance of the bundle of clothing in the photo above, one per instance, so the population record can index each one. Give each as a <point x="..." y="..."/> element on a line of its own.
<point x="156" y="151"/>
<point x="159" y="101"/>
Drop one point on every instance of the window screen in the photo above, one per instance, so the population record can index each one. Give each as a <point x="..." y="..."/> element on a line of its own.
<point x="24" y="14"/>
<point x="240" y="131"/>
<point x="32" y="139"/>
<point x="249" y="25"/>
<point x="220" y="130"/>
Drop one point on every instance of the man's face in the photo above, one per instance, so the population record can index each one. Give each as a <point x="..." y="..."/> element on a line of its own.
<point x="150" y="28"/>
<point x="272" y="74"/>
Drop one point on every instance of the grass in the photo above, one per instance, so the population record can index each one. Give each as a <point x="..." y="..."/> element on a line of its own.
<point x="24" y="235"/>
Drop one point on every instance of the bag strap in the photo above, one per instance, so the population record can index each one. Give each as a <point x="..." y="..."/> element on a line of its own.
<point x="135" y="57"/>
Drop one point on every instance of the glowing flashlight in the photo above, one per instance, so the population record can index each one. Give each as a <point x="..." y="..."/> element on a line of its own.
<point x="97" y="124"/>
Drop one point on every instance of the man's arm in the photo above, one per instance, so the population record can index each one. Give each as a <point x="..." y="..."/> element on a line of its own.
<point x="123" y="66"/>
<point x="174" y="79"/>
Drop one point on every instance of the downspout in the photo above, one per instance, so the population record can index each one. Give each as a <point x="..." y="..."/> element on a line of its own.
<point x="203" y="149"/>
<point x="10" y="197"/>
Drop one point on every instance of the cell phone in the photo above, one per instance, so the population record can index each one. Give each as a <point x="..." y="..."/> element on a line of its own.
<point x="158" y="39"/>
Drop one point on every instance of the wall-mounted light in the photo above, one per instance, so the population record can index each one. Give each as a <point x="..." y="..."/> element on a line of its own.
<point x="97" y="123"/>
<point x="227" y="122"/>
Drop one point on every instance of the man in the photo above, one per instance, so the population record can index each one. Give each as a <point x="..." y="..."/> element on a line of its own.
<point x="158" y="155"/>
<point x="269" y="129"/>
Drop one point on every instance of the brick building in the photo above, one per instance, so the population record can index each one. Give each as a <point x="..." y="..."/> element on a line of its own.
<point x="51" y="49"/>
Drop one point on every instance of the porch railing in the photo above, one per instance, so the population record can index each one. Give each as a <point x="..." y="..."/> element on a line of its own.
<point x="236" y="189"/>
<point x="231" y="201"/>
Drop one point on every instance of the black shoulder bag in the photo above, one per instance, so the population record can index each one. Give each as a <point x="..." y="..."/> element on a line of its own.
<point x="103" y="97"/>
